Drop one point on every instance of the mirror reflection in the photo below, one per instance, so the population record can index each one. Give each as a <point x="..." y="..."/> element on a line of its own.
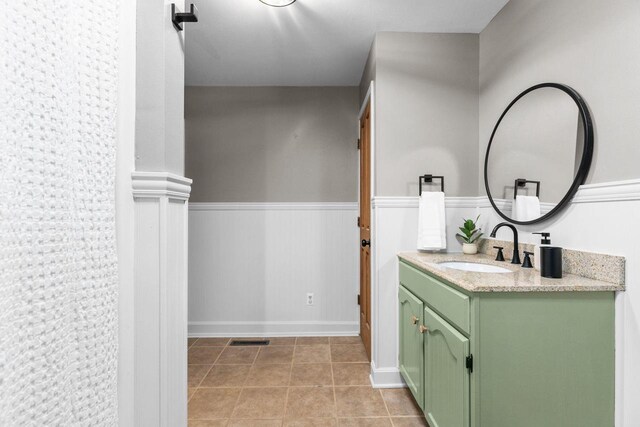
<point x="535" y="154"/>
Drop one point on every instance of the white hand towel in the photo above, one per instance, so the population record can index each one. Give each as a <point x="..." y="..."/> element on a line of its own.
<point x="432" y="231"/>
<point x="525" y="208"/>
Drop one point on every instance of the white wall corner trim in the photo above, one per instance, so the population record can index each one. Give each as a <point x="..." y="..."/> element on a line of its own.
<point x="160" y="298"/>
<point x="280" y="206"/>
<point x="386" y="377"/>
<point x="160" y="184"/>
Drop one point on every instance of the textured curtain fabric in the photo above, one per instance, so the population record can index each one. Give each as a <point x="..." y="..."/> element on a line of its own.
<point x="58" y="276"/>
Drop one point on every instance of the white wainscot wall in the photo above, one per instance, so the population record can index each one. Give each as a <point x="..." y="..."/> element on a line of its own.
<point x="396" y="230"/>
<point x="599" y="219"/>
<point x="251" y="266"/>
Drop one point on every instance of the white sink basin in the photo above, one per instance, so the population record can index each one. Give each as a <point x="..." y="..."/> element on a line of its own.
<point x="474" y="266"/>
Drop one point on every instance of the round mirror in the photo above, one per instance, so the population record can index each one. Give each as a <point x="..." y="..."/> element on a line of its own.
<point x="539" y="153"/>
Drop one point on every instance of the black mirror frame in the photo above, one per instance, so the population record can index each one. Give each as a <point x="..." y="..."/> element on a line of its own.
<point x="585" y="162"/>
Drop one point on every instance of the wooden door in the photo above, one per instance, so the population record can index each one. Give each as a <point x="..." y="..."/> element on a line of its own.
<point x="446" y="375"/>
<point x="411" y="356"/>
<point x="365" y="228"/>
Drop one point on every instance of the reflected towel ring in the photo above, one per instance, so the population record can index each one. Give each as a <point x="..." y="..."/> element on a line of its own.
<point x="278" y="3"/>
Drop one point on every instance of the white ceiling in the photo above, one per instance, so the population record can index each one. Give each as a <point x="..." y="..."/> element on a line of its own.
<point x="312" y="42"/>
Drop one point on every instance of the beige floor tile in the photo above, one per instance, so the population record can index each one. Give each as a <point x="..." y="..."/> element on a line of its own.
<point x="312" y="340"/>
<point x="195" y="374"/>
<point x="312" y="354"/>
<point x="311" y="422"/>
<point x="208" y="423"/>
<point x="364" y="422"/>
<point x="226" y="376"/>
<point x="255" y="423"/>
<point x="345" y="340"/>
<point x="211" y="342"/>
<point x="400" y="402"/>
<point x="311" y="374"/>
<point x="212" y="403"/>
<point x="268" y="376"/>
<point x="409" y="422"/>
<point x="359" y="402"/>
<point x="310" y="402"/>
<point x="348" y="353"/>
<point x="282" y="341"/>
<point x="261" y="403"/>
<point x="190" y="392"/>
<point x="351" y="373"/>
<point x="237" y="355"/>
<point x="203" y="355"/>
<point x="275" y="354"/>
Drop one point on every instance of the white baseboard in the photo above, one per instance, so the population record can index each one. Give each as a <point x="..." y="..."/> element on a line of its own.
<point x="272" y="329"/>
<point x="386" y="377"/>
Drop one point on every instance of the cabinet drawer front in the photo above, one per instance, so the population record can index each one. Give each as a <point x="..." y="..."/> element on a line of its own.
<point x="450" y="303"/>
<point x="411" y="355"/>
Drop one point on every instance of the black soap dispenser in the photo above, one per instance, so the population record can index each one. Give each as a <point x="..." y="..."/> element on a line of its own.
<point x="545" y="241"/>
<point x="551" y="262"/>
<point x="547" y="258"/>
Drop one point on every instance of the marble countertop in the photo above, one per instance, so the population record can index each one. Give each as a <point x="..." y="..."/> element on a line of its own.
<point x="521" y="280"/>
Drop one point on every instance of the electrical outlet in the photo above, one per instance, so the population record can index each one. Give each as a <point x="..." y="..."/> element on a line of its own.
<point x="310" y="299"/>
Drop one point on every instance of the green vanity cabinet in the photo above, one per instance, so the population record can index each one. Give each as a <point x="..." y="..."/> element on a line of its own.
<point x="446" y="376"/>
<point x="411" y="342"/>
<point x="506" y="359"/>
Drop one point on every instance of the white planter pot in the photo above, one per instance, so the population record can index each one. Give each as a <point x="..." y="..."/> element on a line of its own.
<point x="470" y="248"/>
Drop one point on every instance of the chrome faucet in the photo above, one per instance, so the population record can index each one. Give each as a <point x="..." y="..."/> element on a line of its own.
<point x="515" y="258"/>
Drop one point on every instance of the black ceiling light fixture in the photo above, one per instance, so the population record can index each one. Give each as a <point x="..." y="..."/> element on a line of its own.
<point x="278" y="3"/>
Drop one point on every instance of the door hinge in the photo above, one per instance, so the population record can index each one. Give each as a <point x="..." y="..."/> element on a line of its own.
<point x="358" y="299"/>
<point x="358" y="221"/>
<point x="469" y="363"/>
<point x="358" y="143"/>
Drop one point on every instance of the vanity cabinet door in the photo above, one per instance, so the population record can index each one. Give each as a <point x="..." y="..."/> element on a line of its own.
<point x="412" y="344"/>
<point x="446" y="375"/>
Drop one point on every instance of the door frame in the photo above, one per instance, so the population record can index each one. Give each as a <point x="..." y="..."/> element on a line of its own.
<point x="370" y="98"/>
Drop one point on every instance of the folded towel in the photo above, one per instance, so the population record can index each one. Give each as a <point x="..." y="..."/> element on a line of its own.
<point x="432" y="232"/>
<point x="525" y="208"/>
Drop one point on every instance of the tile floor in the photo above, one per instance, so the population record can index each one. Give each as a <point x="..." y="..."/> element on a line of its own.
<point x="305" y="381"/>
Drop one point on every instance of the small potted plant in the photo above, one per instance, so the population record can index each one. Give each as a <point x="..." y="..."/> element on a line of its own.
<point x="470" y="235"/>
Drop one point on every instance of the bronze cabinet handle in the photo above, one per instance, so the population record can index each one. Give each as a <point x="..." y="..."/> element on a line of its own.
<point x="414" y="320"/>
<point x="423" y="329"/>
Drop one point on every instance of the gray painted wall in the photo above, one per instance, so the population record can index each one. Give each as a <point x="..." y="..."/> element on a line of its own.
<point x="426" y="111"/>
<point x="591" y="45"/>
<point x="272" y="144"/>
<point x="159" y="89"/>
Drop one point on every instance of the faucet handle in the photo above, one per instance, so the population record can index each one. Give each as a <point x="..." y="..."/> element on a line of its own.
<point x="527" y="260"/>
<point x="500" y="254"/>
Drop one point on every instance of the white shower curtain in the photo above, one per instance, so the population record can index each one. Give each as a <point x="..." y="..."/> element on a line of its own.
<point x="58" y="277"/>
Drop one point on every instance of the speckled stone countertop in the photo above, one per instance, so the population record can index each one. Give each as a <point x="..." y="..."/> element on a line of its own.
<point x="521" y="280"/>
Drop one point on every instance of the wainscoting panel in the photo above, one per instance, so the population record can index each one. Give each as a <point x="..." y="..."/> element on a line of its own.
<point x="252" y="265"/>
<point x="160" y="295"/>
<point x="396" y="230"/>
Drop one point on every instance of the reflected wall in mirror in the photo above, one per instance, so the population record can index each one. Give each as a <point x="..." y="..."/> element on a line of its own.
<point x="540" y="150"/>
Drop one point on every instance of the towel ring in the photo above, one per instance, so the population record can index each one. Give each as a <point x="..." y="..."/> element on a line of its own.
<point x="428" y="179"/>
